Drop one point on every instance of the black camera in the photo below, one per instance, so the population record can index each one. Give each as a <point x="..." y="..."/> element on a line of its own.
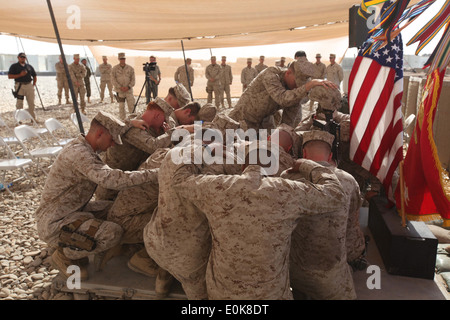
<point x="149" y="66"/>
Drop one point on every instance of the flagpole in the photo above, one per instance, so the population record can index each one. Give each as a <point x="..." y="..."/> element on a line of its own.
<point x="402" y="194"/>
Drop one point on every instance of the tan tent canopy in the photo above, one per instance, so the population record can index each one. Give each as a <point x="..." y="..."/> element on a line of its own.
<point x="161" y="24"/>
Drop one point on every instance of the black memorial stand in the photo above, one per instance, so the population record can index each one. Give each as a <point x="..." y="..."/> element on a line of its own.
<point x="408" y="250"/>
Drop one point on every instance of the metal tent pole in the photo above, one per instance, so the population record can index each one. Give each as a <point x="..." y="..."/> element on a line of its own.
<point x="187" y="72"/>
<point x="66" y="68"/>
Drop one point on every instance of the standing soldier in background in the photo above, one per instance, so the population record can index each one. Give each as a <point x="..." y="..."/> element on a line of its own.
<point x="282" y="62"/>
<point x="23" y="75"/>
<point x="248" y="74"/>
<point x="260" y="66"/>
<point x="226" y="79"/>
<point x="181" y="76"/>
<point x="319" y="73"/>
<point x="87" y="81"/>
<point x="334" y="71"/>
<point x="212" y="73"/>
<point x="123" y="79"/>
<point x="77" y="74"/>
<point x="105" y="79"/>
<point x="61" y="80"/>
<point x="319" y="68"/>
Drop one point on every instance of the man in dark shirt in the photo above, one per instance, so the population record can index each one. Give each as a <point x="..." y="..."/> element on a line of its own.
<point x="25" y="79"/>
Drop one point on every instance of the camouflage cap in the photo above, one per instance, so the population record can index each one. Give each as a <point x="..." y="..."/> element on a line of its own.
<point x="318" y="55"/>
<point x="112" y="124"/>
<point x="328" y="98"/>
<point x="318" y="135"/>
<point x="165" y="106"/>
<point x="76" y="56"/>
<point x="207" y="112"/>
<point x="249" y="59"/>
<point x="332" y="55"/>
<point x="121" y="55"/>
<point x="303" y="70"/>
<point x="104" y="57"/>
<point x="182" y="95"/>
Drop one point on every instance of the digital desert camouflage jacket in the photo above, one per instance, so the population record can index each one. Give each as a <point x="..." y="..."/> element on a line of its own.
<point x="72" y="180"/>
<point x="266" y="95"/>
<point x="251" y="219"/>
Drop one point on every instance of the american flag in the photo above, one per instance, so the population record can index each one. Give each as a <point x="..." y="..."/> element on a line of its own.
<point x="375" y="98"/>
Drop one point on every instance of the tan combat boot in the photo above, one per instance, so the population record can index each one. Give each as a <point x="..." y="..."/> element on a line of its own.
<point x="67" y="101"/>
<point x="163" y="283"/>
<point x="89" y="99"/>
<point x="61" y="262"/>
<point x="142" y="263"/>
<point x="112" y="100"/>
<point x="59" y="101"/>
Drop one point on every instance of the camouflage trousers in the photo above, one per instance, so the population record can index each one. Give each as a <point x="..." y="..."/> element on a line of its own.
<point x="63" y="84"/>
<point x="132" y="210"/>
<point x="210" y="89"/>
<point x="127" y="97"/>
<point x="225" y="90"/>
<point x="108" y="234"/>
<point x="103" y="85"/>
<point x="81" y="91"/>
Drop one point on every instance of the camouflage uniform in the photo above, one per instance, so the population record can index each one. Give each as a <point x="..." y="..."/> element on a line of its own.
<point x="137" y="146"/>
<point x="318" y="257"/>
<point x="213" y="74"/>
<point x="319" y="70"/>
<point x="264" y="96"/>
<point x="105" y="80"/>
<point x="77" y="74"/>
<point x="335" y="74"/>
<point x="177" y="236"/>
<point x="260" y="66"/>
<point x="226" y="78"/>
<point x="61" y="80"/>
<point x="362" y="176"/>
<point x="250" y="231"/>
<point x="180" y="76"/>
<point x="247" y="76"/>
<point x="68" y="189"/>
<point x="124" y="77"/>
<point x="133" y="207"/>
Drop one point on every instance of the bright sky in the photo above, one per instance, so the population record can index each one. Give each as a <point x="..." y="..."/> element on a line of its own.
<point x="13" y="45"/>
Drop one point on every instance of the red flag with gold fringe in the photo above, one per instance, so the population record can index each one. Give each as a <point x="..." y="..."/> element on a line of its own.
<point x="426" y="183"/>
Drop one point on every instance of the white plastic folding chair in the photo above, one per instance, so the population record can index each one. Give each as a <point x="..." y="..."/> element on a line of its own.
<point x="84" y="119"/>
<point x="34" y="146"/>
<point x="59" y="133"/>
<point x="23" y="115"/>
<point x="9" y="137"/>
<point x="10" y="163"/>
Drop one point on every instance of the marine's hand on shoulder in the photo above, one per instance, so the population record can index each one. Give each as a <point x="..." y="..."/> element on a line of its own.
<point x="139" y="123"/>
<point x="189" y="127"/>
<point x="296" y="166"/>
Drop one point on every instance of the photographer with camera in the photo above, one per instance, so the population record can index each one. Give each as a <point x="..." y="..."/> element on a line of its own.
<point x="24" y="81"/>
<point x="153" y="78"/>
